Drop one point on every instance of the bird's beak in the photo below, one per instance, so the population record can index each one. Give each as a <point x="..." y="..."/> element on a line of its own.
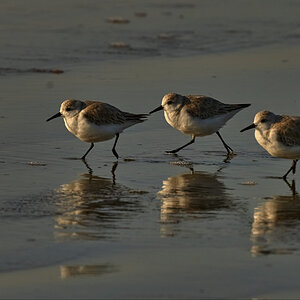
<point x="248" y="127"/>
<point x="55" y="116"/>
<point x="156" y="109"/>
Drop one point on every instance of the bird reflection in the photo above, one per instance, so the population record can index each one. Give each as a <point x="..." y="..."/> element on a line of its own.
<point x="91" y="206"/>
<point x="87" y="270"/>
<point x="292" y="186"/>
<point x="113" y="169"/>
<point x="275" y="225"/>
<point x="191" y="195"/>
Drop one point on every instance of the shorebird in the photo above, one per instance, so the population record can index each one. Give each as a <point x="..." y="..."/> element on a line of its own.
<point x="197" y="115"/>
<point x="279" y="135"/>
<point x="93" y="121"/>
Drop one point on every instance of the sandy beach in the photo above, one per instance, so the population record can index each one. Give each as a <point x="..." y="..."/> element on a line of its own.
<point x="151" y="228"/>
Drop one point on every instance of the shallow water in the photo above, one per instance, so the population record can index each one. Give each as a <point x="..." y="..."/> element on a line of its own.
<point x="152" y="225"/>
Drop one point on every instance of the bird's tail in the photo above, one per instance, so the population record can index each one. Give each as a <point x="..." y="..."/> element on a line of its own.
<point x="236" y="107"/>
<point x="136" y="118"/>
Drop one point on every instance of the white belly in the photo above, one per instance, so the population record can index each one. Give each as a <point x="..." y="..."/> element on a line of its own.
<point x="276" y="148"/>
<point x="195" y="126"/>
<point x="92" y="133"/>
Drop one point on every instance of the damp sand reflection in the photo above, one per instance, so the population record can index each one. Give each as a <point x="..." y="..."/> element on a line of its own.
<point x="274" y="227"/>
<point x="191" y="195"/>
<point x="92" y="207"/>
<point x="70" y="271"/>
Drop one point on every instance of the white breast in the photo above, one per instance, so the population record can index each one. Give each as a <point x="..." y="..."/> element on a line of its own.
<point x="196" y="126"/>
<point x="272" y="144"/>
<point x="91" y="132"/>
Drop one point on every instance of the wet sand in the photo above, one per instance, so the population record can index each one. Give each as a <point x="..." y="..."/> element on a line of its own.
<point x="149" y="226"/>
<point x="153" y="228"/>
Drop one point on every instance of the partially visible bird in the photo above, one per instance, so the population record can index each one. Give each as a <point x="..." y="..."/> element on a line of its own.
<point x="279" y="135"/>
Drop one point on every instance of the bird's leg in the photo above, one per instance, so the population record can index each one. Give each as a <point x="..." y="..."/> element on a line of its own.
<point x="228" y="149"/>
<point x="114" y="147"/>
<point x="86" y="153"/>
<point x="229" y="157"/>
<point x="292" y="168"/>
<point x="294" y="164"/>
<point x="178" y="149"/>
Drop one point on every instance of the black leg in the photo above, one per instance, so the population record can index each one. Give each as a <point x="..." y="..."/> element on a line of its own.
<point x="229" y="149"/>
<point x="86" y="153"/>
<point x="294" y="164"/>
<point x="114" y="147"/>
<point x="292" y="168"/>
<point x="229" y="157"/>
<point x="178" y="149"/>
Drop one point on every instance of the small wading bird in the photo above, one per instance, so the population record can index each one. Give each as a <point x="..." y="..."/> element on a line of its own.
<point x="93" y="121"/>
<point x="197" y="115"/>
<point x="279" y="135"/>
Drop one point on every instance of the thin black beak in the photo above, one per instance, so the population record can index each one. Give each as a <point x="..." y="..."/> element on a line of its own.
<point x="55" y="116"/>
<point x="156" y="109"/>
<point x="248" y="127"/>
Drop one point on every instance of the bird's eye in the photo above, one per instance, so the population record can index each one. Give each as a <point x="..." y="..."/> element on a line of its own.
<point x="169" y="102"/>
<point x="263" y="121"/>
<point x="68" y="108"/>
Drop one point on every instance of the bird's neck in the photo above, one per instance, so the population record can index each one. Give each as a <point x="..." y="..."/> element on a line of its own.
<point x="72" y="124"/>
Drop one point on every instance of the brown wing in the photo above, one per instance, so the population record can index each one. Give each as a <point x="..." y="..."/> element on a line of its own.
<point x="205" y="107"/>
<point x="288" y="130"/>
<point x="103" y="113"/>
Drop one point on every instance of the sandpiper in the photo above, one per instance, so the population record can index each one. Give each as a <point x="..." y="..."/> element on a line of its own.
<point x="279" y="135"/>
<point x="197" y="115"/>
<point x="93" y="121"/>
